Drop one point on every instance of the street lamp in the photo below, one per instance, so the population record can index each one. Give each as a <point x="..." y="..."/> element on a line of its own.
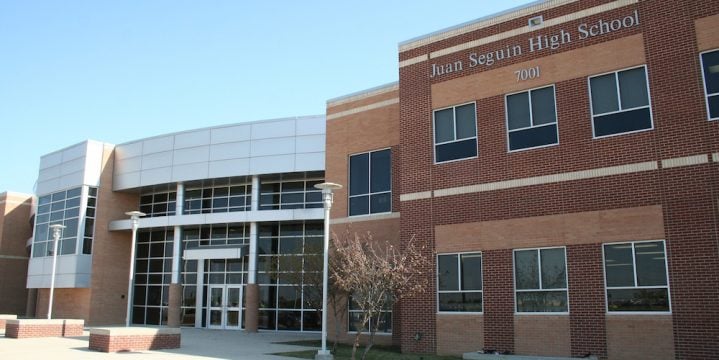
<point x="134" y="218"/>
<point x="56" y="234"/>
<point x="327" y="188"/>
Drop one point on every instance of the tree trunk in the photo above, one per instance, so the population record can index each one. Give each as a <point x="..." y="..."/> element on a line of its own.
<point x="372" y="332"/>
<point x="365" y="320"/>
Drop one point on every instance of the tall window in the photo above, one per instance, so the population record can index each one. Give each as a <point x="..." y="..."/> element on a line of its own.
<point x="636" y="276"/>
<point x="531" y="119"/>
<point x="89" y="232"/>
<point x="540" y="277"/>
<point x="153" y="269"/>
<point x="459" y="278"/>
<point x="620" y="102"/>
<point x="710" y="70"/>
<point x="455" y="133"/>
<point x="289" y="267"/>
<point x="69" y="208"/>
<point x="370" y="183"/>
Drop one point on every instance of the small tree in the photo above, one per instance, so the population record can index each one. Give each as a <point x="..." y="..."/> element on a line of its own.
<point x="377" y="274"/>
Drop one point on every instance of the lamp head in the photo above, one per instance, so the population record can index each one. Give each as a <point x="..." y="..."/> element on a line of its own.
<point x="135" y="214"/>
<point x="328" y="186"/>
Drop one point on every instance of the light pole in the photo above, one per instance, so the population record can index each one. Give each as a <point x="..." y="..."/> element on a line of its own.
<point x="327" y="188"/>
<point x="56" y="234"/>
<point x="134" y="218"/>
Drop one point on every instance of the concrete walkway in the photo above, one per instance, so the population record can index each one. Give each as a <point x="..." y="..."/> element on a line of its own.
<point x="196" y="344"/>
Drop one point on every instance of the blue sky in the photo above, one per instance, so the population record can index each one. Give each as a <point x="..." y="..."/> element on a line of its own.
<point x="117" y="71"/>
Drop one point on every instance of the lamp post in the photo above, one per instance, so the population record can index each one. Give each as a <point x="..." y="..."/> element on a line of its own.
<point x="134" y="218"/>
<point x="56" y="234"/>
<point x="327" y="188"/>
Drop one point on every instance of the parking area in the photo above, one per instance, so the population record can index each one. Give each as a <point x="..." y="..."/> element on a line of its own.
<point x="196" y="344"/>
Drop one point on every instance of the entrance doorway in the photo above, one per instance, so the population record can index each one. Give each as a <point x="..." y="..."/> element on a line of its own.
<point x="225" y="307"/>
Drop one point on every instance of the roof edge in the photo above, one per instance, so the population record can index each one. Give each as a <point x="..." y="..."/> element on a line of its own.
<point x="482" y="22"/>
<point x="363" y="94"/>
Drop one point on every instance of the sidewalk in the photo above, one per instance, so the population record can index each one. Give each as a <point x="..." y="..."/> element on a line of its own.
<point x="196" y="344"/>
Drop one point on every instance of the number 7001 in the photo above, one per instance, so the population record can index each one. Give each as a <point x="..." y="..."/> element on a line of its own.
<point x="527" y="74"/>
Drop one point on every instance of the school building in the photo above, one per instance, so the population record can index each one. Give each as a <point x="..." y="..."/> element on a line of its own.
<point x="558" y="160"/>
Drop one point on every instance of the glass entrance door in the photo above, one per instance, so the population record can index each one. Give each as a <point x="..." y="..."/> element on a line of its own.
<point x="225" y="307"/>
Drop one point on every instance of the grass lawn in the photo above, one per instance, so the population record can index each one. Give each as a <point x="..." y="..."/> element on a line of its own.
<point x="345" y="352"/>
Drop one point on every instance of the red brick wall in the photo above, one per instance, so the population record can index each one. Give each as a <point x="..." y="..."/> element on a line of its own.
<point x="67" y="303"/>
<point x="586" y="300"/>
<point x="23" y="331"/>
<point x="685" y="195"/>
<point x="418" y="315"/>
<point x="459" y="333"/>
<point x="532" y="335"/>
<point x="15" y="230"/>
<point x="110" y="250"/>
<point x="498" y="304"/>
<point x="640" y="337"/>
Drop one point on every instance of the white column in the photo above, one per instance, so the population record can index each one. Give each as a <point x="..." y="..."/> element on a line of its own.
<point x="199" y="293"/>
<point x="177" y="234"/>
<point x="255" y="205"/>
<point x="252" y="264"/>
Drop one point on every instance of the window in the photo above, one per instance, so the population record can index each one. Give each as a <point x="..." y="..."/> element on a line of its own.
<point x="89" y="231"/>
<point x="215" y="235"/>
<point x="531" y="119"/>
<point x="289" y="263"/>
<point x="70" y="208"/>
<point x="455" y="133"/>
<point x="459" y="282"/>
<point x="710" y="70"/>
<point x="636" y="276"/>
<point x="160" y="203"/>
<point x="540" y="277"/>
<point x="291" y="191"/>
<point x="370" y="183"/>
<point x="620" y="102"/>
<point x="153" y="269"/>
<point x="216" y="196"/>
<point x="383" y="321"/>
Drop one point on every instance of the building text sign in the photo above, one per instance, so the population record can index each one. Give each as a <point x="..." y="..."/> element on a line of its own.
<point x="537" y="43"/>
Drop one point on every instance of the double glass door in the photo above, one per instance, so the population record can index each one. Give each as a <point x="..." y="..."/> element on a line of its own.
<point x="225" y="307"/>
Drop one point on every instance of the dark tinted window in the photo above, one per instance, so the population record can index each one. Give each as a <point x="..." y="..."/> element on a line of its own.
<point x="370" y="183"/>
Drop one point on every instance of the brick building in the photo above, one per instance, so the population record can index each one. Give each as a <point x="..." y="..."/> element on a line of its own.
<point x="15" y="234"/>
<point x="559" y="160"/>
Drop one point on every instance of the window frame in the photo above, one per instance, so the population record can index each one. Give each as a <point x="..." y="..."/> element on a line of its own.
<point x="531" y="117"/>
<point x="459" y="274"/>
<point x="57" y="204"/>
<point x="382" y="312"/>
<point x="539" y="265"/>
<point x="634" y="268"/>
<point x="704" y="84"/>
<point x="616" y="83"/>
<point x="434" y="132"/>
<point x="369" y="182"/>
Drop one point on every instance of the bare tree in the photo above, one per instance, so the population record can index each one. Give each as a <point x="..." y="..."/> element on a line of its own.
<point x="376" y="274"/>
